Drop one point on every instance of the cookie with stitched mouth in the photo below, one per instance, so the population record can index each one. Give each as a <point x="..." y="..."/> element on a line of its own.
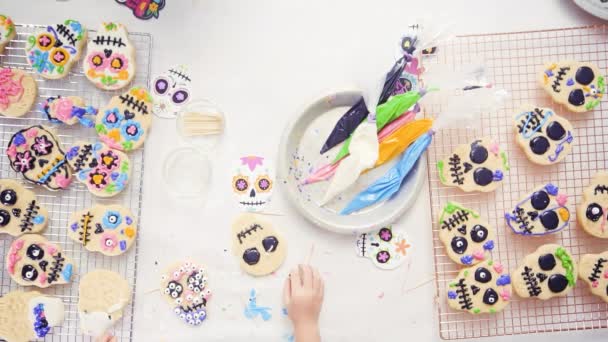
<point x="27" y="316"/>
<point x="20" y="211"/>
<point x="580" y="86"/>
<point x="593" y="270"/>
<point x="592" y="212"/>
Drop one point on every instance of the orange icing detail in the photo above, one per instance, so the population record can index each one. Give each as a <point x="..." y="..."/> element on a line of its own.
<point x="123" y="75"/>
<point x="114" y="135"/>
<point x="129" y="232"/>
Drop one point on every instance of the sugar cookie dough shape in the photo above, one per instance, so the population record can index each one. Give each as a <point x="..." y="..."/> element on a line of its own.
<point x="102" y="296"/>
<point x="26" y="316"/>
<point x="69" y="110"/>
<point x="478" y="166"/>
<point x="184" y="286"/>
<point x="468" y="239"/>
<point x="18" y="92"/>
<point x="593" y="270"/>
<point x="386" y="248"/>
<point x="252" y="183"/>
<point x="7" y="31"/>
<point x="579" y="86"/>
<point x="548" y="272"/>
<point x="545" y="137"/>
<point x="20" y="211"/>
<point x="110" y="230"/>
<point x="483" y="288"/>
<point x="52" y="50"/>
<point x="171" y="91"/>
<point x="592" y="212"/>
<point x="34" y="261"/>
<point x="259" y="247"/>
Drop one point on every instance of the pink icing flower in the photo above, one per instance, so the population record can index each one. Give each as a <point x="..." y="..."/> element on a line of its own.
<point x="479" y="255"/>
<point x="58" y="56"/>
<point x="108" y="242"/>
<point x="11" y="151"/>
<point x="98" y="62"/>
<point x="42" y="278"/>
<point x="63" y="108"/>
<point x="62" y="181"/>
<point x="9" y="88"/>
<point x="562" y="199"/>
<point x="505" y="295"/>
<point x="51" y="249"/>
<point x="498" y="267"/>
<point x="494" y="148"/>
<point x="31" y="133"/>
<point x="595" y="284"/>
<point x="44" y="40"/>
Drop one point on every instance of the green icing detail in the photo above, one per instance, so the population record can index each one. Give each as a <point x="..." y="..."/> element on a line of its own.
<point x="101" y="129"/>
<point x="451" y="207"/>
<point x="32" y="41"/>
<point x="592" y="104"/>
<point x="111" y="188"/>
<point x="127" y="145"/>
<point x="440" y="169"/>
<point x="111" y="26"/>
<point x="601" y="86"/>
<point x="452" y="285"/>
<point x="505" y="161"/>
<point x="567" y="264"/>
<point x="466" y="273"/>
<point x="124" y="168"/>
<point x="476" y="310"/>
<point x="490" y="262"/>
<point x="108" y="80"/>
<point x="492" y="310"/>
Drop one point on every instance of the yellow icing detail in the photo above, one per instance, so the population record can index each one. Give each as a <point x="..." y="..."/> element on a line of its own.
<point x="97" y="179"/>
<point x="92" y="73"/>
<point x="114" y="135"/>
<point x="586" y="88"/>
<point x="116" y="63"/>
<point x="552" y="66"/>
<point x="84" y="229"/>
<point x="545" y="79"/>
<point x="129" y="232"/>
<point x="123" y="75"/>
<point x="563" y="214"/>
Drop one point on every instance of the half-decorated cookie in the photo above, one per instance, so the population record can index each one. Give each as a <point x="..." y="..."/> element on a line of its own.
<point x="102" y="296"/>
<point x="592" y="212"/>
<point x="548" y="272"/>
<point x="468" y="239"/>
<point x="110" y="230"/>
<point x="20" y="211"/>
<point x="28" y="316"/>
<point x="124" y="123"/>
<point x="545" y="137"/>
<point x="259" y="248"/>
<point x="483" y="288"/>
<point x="69" y="110"/>
<point x="18" y="92"/>
<point x="36" y="154"/>
<point x="52" y="50"/>
<point x="541" y="212"/>
<point x="171" y="91"/>
<point x="478" y="166"/>
<point x="577" y="85"/>
<point x="103" y="170"/>
<point x="7" y="31"/>
<point x="593" y="270"/>
<point x="386" y="248"/>
<point x="184" y="286"/>
<point x="34" y="261"/>
<point x="110" y="60"/>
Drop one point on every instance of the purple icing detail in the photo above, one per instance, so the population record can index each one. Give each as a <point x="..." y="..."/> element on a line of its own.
<point x="489" y="245"/>
<point x="19" y="139"/>
<point x="115" y="175"/>
<point x="123" y="245"/>
<point x="551" y="189"/>
<point x="570" y="82"/>
<point x="452" y="295"/>
<point x="467" y="259"/>
<point x="73" y="152"/>
<point x="498" y="175"/>
<point x="503" y="280"/>
<point x="128" y="220"/>
<point x="549" y="73"/>
<point x="41" y="325"/>
<point x="74" y="226"/>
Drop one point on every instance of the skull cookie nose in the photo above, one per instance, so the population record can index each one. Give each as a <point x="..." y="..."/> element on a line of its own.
<point x="252" y="193"/>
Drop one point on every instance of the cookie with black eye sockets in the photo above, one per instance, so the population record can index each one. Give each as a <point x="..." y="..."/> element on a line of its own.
<point x="592" y="212"/>
<point x="20" y="211"/>
<point x="593" y="270"/>
<point x="579" y="86"/>
<point x="184" y="286"/>
<point x="548" y="272"/>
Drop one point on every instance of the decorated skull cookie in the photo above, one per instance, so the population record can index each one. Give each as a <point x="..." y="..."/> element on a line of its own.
<point x="478" y="166"/>
<point x="20" y="211"/>
<point x="252" y="183"/>
<point x="184" y="287"/>
<point x="69" y="110"/>
<point x="579" y="86"/>
<point x="467" y="238"/>
<point x="18" y="92"/>
<point x="593" y="270"/>
<point x="28" y="316"/>
<point x="171" y="91"/>
<point x="103" y="170"/>
<point x="548" y="272"/>
<point x="545" y="137"/>
<point x="386" y="248"/>
<point x="110" y="229"/>
<point x="542" y="212"/>
<point x="483" y="288"/>
<point x="34" y="261"/>
<point x="592" y="213"/>
<point x="124" y="123"/>
<point x="36" y="154"/>
<point x="7" y="31"/>
<point x="110" y="59"/>
<point x="260" y="249"/>
<point x="53" y="50"/>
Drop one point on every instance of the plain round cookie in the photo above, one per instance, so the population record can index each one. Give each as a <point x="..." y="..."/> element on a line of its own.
<point x="24" y="91"/>
<point x="20" y="211"/>
<point x="593" y="270"/>
<point x="592" y="212"/>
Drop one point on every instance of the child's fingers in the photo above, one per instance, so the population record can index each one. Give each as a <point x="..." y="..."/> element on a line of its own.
<point x="294" y="277"/>
<point x="306" y="276"/>
<point x="322" y="289"/>
<point x="316" y="276"/>
<point x="286" y="292"/>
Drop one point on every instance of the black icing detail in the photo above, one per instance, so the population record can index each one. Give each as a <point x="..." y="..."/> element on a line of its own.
<point x="558" y="78"/>
<point x="109" y="41"/>
<point x="83" y="155"/>
<point x="98" y="228"/>
<point x="464" y="298"/>
<point x="462" y="230"/>
<point x="532" y="121"/>
<point x="244" y="233"/>
<point x="541" y="277"/>
<point x="135" y="104"/>
<point x="67" y="34"/>
<point x="8" y="197"/>
<point x="478" y="154"/>
<point x="531" y="283"/>
<point x="576" y="97"/>
<point x="540" y="200"/>
<point x="27" y="222"/>
<point x="459" y="244"/>
<point x="179" y="74"/>
<point x="584" y="75"/>
<point x="490" y="297"/>
<point x="479" y="233"/>
<point x="602" y="189"/>
<point x="596" y="272"/>
<point x="557" y="283"/>
<point x="29" y="273"/>
<point x="555" y="131"/>
<point x="467" y="167"/>
<point x="546" y="262"/>
<point x="34" y="252"/>
<point x="483" y="275"/>
<point x="456" y="169"/>
<point x="594" y="212"/>
<point x="43" y="264"/>
<point x="523" y="220"/>
<point x="16" y="212"/>
<point x="85" y="228"/>
<point x="56" y="268"/>
<point x="475" y="289"/>
<point x="251" y="256"/>
<point x="270" y="244"/>
<point x="549" y="220"/>
<point x="483" y="176"/>
<point x="539" y="145"/>
<point x="5" y="218"/>
<point x="459" y="217"/>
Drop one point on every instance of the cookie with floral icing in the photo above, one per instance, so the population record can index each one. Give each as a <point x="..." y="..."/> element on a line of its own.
<point x="69" y="110"/>
<point x="185" y="287"/>
<point x="593" y="270"/>
<point x="27" y="316"/>
<point x="18" y="92"/>
<point x="580" y="86"/>
<point x="20" y="211"/>
<point x="7" y="31"/>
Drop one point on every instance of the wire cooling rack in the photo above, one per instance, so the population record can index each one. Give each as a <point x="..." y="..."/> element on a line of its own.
<point x="514" y="61"/>
<point x="62" y="203"/>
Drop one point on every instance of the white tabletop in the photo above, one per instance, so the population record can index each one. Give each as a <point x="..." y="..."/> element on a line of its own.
<point x="262" y="61"/>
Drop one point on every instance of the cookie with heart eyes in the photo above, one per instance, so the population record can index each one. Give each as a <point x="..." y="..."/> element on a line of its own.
<point x="592" y="212"/>
<point x="580" y="86"/>
<point x="593" y="270"/>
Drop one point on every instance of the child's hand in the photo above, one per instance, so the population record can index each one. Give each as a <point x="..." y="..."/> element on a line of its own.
<point x="106" y="338"/>
<point x="303" y="297"/>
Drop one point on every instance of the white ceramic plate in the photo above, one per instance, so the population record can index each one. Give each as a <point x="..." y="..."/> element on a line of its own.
<point x="299" y="156"/>
<point x="598" y="8"/>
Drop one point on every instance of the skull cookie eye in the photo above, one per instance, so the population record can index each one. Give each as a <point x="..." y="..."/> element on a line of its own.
<point x="117" y="64"/>
<point x="270" y="243"/>
<point x="161" y="85"/>
<point x="8" y="197"/>
<point x="459" y="244"/>
<point x="549" y="219"/>
<point x="576" y="97"/>
<point x="383" y="257"/>
<point x="584" y="75"/>
<point x="539" y="200"/>
<point x="557" y="283"/>
<point x="546" y="262"/>
<point x="112" y="219"/>
<point x="29" y="273"/>
<point x="539" y="145"/>
<point x="479" y="154"/>
<point x="180" y="96"/>
<point x="479" y="233"/>
<point x="240" y="184"/>
<point x="59" y="56"/>
<point x="385" y="234"/>
<point x="251" y="256"/>
<point x="45" y="41"/>
<point x="490" y="297"/>
<point x="34" y="252"/>
<point x="594" y="212"/>
<point x="483" y="176"/>
<point x="5" y="217"/>
<point x="263" y="184"/>
<point x="555" y="131"/>
<point x="482" y="275"/>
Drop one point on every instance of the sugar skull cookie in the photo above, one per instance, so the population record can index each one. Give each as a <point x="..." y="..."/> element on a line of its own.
<point x="386" y="248"/>
<point x="18" y="92"/>
<point x="103" y="170"/>
<point x="577" y="85"/>
<point x="545" y="137"/>
<point x="28" y="316"/>
<point x="252" y="183"/>
<point x="185" y="287"/>
<point x="483" y="288"/>
<point x="260" y="249"/>
<point x="592" y="212"/>
<point x="542" y="212"/>
<point x="478" y="166"/>
<point x="548" y="272"/>
<point x="20" y="211"/>
<point x="593" y="270"/>
<point x="7" y="31"/>
<point x="110" y="60"/>
<point x="36" y="154"/>
<point x="69" y="110"/>
<point x="468" y="239"/>
<point x="171" y="91"/>
<point x="34" y="261"/>
<point x="53" y="50"/>
<point x="124" y="123"/>
<point x="110" y="230"/>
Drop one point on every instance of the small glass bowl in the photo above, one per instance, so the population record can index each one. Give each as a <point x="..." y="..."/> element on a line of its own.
<point x="201" y="124"/>
<point x="186" y="175"/>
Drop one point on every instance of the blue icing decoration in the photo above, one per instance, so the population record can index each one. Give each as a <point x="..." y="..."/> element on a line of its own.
<point x="128" y="136"/>
<point x="41" y="325"/>
<point x="114" y="175"/>
<point x="73" y="152"/>
<point x="452" y="295"/>
<point x="97" y="147"/>
<point x="489" y="245"/>
<point x="570" y="82"/>
<point x="112" y="219"/>
<point x="128" y="220"/>
<point x="498" y="175"/>
<point x="467" y="259"/>
<point x="549" y="73"/>
<point x="123" y="245"/>
<point x="82" y="175"/>
<point x="19" y="139"/>
<point x="551" y="189"/>
<point x="38" y="219"/>
<point x="74" y="227"/>
<point x="67" y="272"/>
<point x="503" y="280"/>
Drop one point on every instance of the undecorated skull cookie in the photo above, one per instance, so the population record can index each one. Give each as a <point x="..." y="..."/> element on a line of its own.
<point x="27" y="316"/>
<point x="18" y="92"/>
<point x="7" y="31"/>
<point x="386" y="248"/>
<point x="110" y="230"/>
<point x="483" y="288"/>
<point x="260" y="249"/>
<point x="103" y="170"/>
<point x="69" y="110"/>
<point x="548" y="272"/>
<point x="542" y="212"/>
<point x="253" y="182"/>
<point x="468" y="239"/>
<point x="184" y="287"/>
<point x="578" y="85"/>
<point x="52" y="50"/>
<point x="124" y="123"/>
<point x="34" y="261"/>
<point x="102" y="296"/>
<point x="592" y="213"/>
<point x="478" y="166"/>
<point x="171" y="91"/>
<point x="593" y="270"/>
<point x="36" y="154"/>
<point x="545" y="137"/>
<point x="20" y="211"/>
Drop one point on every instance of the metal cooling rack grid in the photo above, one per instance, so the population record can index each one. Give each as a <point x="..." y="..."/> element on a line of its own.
<point x="62" y="203"/>
<point x="514" y="61"/>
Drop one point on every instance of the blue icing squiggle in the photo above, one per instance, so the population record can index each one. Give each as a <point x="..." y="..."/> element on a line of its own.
<point x="489" y="245"/>
<point x="503" y="280"/>
<point x="551" y="189"/>
<point x="67" y="272"/>
<point x="38" y="219"/>
<point x="452" y="295"/>
<point x="123" y="245"/>
<point x="467" y="259"/>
